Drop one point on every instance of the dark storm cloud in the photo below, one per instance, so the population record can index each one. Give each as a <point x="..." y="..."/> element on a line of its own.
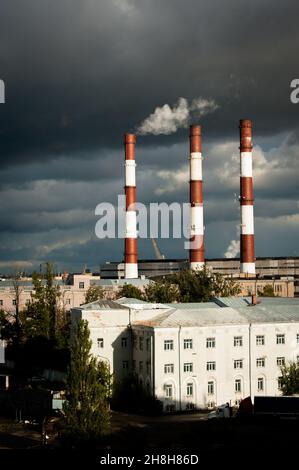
<point x="78" y="74"/>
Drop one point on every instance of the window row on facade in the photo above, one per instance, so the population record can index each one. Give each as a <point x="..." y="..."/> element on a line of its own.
<point x="188" y="343"/>
<point x="237" y="341"/>
<point x="211" y="387"/>
<point x="237" y="364"/>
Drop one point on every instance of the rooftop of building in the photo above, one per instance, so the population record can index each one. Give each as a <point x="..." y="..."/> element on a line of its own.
<point x="245" y="301"/>
<point x="224" y="316"/>
<point x="193" y="305"/>
<point x="183" y="260"/>
<point x="223" y="311"/>
<point x="102" y="304"/>
<point x="121" y="282"/>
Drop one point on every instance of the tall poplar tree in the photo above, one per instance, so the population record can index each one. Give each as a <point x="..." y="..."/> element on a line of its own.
<point x="86" y="408"/>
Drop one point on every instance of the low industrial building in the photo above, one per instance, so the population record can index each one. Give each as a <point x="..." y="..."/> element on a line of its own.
<point x="195" y="356"/>
<point x="280" y="273"/>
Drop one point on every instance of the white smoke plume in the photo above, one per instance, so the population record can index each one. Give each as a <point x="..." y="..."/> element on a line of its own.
<point x="167" y="120"/>
<point x="233" y="248"/>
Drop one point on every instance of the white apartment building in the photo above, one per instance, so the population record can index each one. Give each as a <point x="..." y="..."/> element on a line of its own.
<point x="196" y="355"/>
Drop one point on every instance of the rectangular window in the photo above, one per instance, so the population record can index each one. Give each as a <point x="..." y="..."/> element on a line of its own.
<point x="190" y="406"/>
<point x="27" y="302"/>
<point x="134" y="342"/>
<point x="280" y="339"/>
<point x="1" y="302"/>
<point x="211" y="365"/>
<point x="68" y="301"/>
<point x="134" y="365"/>
<point x="279" y="382"/>
<point x="168" y="344"/>
<point x="140" y="366"/>
<point x="188" y="344"/>
<point x="210" y="388"/>
<point x="148" y="344"/>
<point x="14" y="302"/>
<point x="168" y="369"/>
<point x="280" y="361"/>
<point x="260" y="362"/>
<point x="238" y="364"/>
<point x="188" y="367"/>
<point x="297" y="360"/>
<point x="260" y="384"/>
<point x="168" y="391"/>
<point x="100" y="342"/>
<point x="141" y="344"/>
<point x="260" y="340"/>
<point x="297" y="336"/>
<point x="125" y="364"/>
<point x="211" y="342"/>
<point x="190" y="390"/>
<point x="238" y="341"/>
<point x="124" y="342"/>
<point x="81" y="285"/>
<point x="238" y="385"/>
<point x="148" y="367"/>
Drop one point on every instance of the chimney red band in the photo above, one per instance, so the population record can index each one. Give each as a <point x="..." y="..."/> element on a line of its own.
<point x="247" y="257"/>
<point x="130" y="255"/>
<point x="196" y="252"/>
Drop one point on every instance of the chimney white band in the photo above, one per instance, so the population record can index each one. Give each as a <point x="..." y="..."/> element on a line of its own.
<point x="246" y="164"/>
<point x="196" y="265"/>
<point x="196" y="226"/>
<point x="247" y="223"/>
<point x="248" y="268"/>
<point x="131" y="271"/>
<point x="131" y="224"/>
<point x="130" y="173"/>
<point x="195" y="166"/>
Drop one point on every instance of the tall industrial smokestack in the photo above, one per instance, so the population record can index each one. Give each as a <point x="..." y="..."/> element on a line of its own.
<point x="196" y="252"/>
<point x="247" y="258"/>
<point x="131" y="267"/>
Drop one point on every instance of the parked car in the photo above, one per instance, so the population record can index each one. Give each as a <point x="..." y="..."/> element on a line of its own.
<point x="222" y="411"/>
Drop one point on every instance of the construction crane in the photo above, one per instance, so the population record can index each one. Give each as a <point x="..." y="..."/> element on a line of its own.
<point x="156" y="249"/>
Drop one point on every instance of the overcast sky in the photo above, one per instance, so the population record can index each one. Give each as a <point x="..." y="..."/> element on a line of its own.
<point x="81" y="73"/>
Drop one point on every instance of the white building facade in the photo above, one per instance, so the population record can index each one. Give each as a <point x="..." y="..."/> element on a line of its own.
<point x="198" y="355"/>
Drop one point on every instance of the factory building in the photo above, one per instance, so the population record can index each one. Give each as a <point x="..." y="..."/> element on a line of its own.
<point x="195" y="356"/>
<point x="281" y="272"/>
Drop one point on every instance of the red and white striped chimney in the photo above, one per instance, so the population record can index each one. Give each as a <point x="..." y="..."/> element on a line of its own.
<point x="131" y="266"/>
<point x="196" y="252"/>
<point x="247" y="258"/>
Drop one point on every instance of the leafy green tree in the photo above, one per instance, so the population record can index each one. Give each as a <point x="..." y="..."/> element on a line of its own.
<point x="7" y="328"/>
<point x="94" y="293"/>
<point x="161" y="292"/>
<point x="289" y="380"/>
<point x="45" y="315"/>
<point x="130" y="291"/>
<point x="202" y="285"/>
<point x="86" y="408"/>
<point x="267" y="291"/>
